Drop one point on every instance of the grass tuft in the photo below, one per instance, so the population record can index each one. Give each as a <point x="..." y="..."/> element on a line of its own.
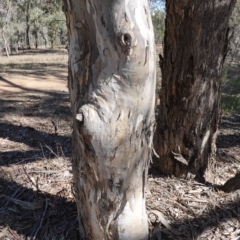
<point x="230" y="103"/>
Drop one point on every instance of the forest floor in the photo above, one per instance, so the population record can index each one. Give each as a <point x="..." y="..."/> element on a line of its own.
<point x="36" y="197"/>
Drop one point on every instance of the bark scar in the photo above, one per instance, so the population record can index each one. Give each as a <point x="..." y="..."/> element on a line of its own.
<point x="146" y="53"/>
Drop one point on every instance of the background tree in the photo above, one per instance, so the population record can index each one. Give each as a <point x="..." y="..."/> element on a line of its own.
<point x="25" y="7"/>
<point x="5" y="20"/>
<point x="195" y="47"/>
<point x="37" y="20"/>
<point x="35" y="23"/>
<point x="158" y="18"/>
<point x="56" y="29"/>
<point x="112" y="92"/>
<point x="235" y="31"/>
<point x="55" y="22"/>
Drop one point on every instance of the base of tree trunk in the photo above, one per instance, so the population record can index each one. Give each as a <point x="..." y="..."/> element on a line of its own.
<point x="232" y="184"/>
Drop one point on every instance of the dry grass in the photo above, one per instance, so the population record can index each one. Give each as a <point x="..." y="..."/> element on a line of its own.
<point x="36" y="198"/>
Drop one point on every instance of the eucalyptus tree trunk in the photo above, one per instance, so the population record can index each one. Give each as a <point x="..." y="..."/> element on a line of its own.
<point x="195" y="47"/>
<point x="112" y="92"/>
<point x="5" y="43"/>
<point x="36" y="38"/>
<point x="28" y="25"/>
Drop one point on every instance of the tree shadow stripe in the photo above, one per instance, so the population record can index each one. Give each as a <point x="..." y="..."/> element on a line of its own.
<point x="24" y="213"/>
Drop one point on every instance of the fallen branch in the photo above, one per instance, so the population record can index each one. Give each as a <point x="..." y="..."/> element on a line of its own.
<point x="43" y="216"/>
<point x="164" y="221"/>
<point x="31" y="179"/>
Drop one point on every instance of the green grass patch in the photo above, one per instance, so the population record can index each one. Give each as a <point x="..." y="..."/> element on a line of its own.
<point x="230" y="103"/>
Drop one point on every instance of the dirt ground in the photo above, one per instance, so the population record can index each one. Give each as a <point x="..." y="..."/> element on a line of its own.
<point x="36" y="197"/>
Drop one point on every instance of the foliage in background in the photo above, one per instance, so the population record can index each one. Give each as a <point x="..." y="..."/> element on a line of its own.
<point x="35" y="23"/>
<point x="6" y="12"/>
<point x="230" y="103"/>
<point x="32" y="23"/>
<point x="158" y="18"/>
<point x="230" y="99"/>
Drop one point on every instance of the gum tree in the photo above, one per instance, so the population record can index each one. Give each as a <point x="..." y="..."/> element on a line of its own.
<point x="195" y="47"/>
<point x="112" y="92"/>
<point x="5" y="17"/>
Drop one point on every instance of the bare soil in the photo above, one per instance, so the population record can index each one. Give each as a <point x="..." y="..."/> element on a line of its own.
<point x="36" y="197"/>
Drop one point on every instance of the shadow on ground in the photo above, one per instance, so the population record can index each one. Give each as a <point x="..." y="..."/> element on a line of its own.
<point x="41" y="120"/>
<point x="38" y="69"/>
<point x="39" y="215"/>
<point x="45" y="145"/>
<point x="36" y="215"/>
<point x="198" y="225"/>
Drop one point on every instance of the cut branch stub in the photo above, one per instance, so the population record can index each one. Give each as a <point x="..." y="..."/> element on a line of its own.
<point x="125" y="41"/>
<point x="79" y="117"/>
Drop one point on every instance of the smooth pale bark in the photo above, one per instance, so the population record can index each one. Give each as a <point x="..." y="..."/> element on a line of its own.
<point x="7" y="18"/>
<point x="195" y="47"/>
<point x="5" y="43"/>
<point x="112" y="93"/>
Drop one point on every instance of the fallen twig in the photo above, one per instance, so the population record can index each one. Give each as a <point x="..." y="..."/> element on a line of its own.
<point x="33" y="182"/>
<point x="165" y="222"/>
<point x="43" y="216"/>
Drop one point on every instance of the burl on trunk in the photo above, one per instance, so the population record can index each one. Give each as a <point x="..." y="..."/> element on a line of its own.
<point x="112" y="93"/>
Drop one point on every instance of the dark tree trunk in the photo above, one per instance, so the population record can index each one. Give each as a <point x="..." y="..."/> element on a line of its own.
<point x="28" y="26"/>
<point x="17" y="42"/>
<point x="195" y="47"/>
<point x="61" y="37"/>
<point x="232" y="184"/>
<point x="112" y="93"/>
<point x="36" y="38"/>
<point x="11" y="46"/>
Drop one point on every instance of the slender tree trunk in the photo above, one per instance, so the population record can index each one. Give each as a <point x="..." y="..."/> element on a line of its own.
<point x="112" y="92"/>
<point x="9" y="49"/>
<point x="11" y="46"/>
<point x="27" y="37"/>
<point x="61" y="37"/>
<point x="36" y="39"/>
<point x="17" y="46"/>
<point x="28" y="26"/>
<point x="5" y="43"/>
<point x="18" y="42"/>
<point x="44" y="38"/>
<point x="195" y="47"/>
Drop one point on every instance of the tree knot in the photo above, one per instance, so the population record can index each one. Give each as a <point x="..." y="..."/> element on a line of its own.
<point x="125" y="41"/>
